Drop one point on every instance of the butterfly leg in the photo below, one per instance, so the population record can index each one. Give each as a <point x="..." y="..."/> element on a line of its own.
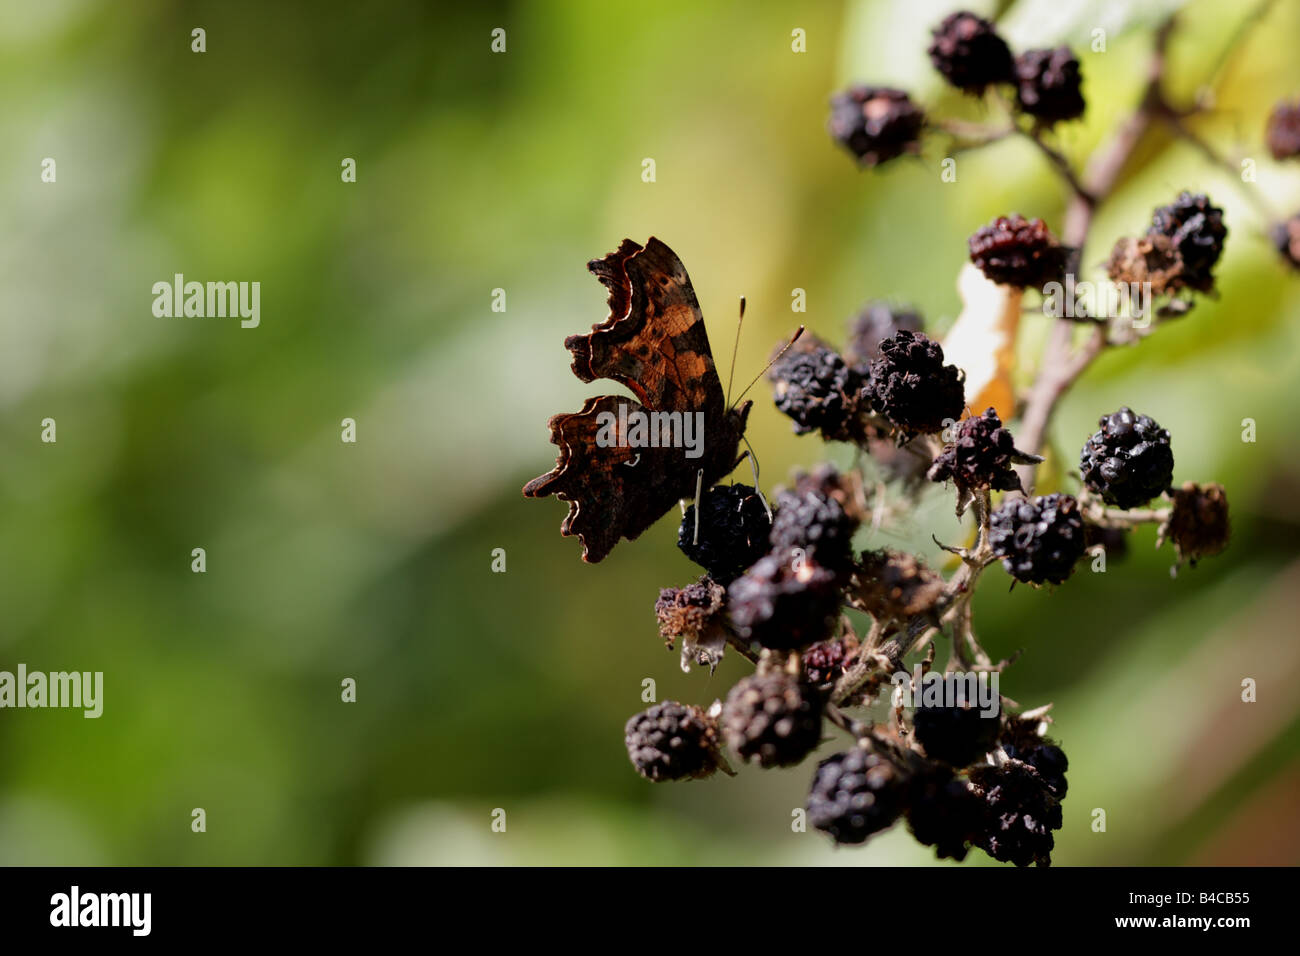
<point x="753" y="467"/>
<point x="699" y="480"/>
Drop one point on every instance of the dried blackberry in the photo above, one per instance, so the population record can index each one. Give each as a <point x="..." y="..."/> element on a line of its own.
<point x="817" y="516"/>
<point x="876" y="124"/>
<point x="1196" y="228"/>
<point x="1286" y="236"/>
<point x="671" y="741"/>
<point x="980" y="456"/>
<point x="1015" y="251"/>
<point x="967" y="50"/>
<point x="696" y="614"/>
<point x="823" y="663"/>
<point x="815" y="388"/>
<point x="876" y="322"/>
<point x="1128" y="461"/>
<point x="772" y="719"/>
<point x="1283" y="130"/>
<point x="1151" y="259"/>
<point x="895" y="585"/>
<point x="1048" y="85"/>
<point x="944" y="812"/>
<point x="734" y="528"/>
<point x="1198" y="523"/>
<point x="855" y="794"/>
<point x="957" y="735"/>
<point x="785" y="601"/>
<point x="912" y="387"/>
<point x="1038" y="539"/>
<point x="1021" y="809"/>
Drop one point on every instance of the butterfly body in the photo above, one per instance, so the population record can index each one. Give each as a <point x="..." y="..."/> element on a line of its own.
<point x="618" y="478"/>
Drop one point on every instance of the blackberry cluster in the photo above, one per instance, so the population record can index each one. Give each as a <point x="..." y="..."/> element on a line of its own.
<point x="979" y="456"/>
<point x="876" y="322"/>
<point x="967" y="50"/>
<point x="772" y="720"/>
<point x="784" y="602"/>
<point x="912" y="388"/>
<point x="671" y="741"/>
<point x="857" y="793"/>
<point x="1128" y="461"/>
<point x="1283" y="131"/>
<point x="1015" y="251"/>
<point x="1038" y="539"/>
<point x="823" y="664"/>
<point x="944" y="812"/>
<point x="1021" y="809"/>
<point x="876" y="123"/>
<point x="818" y="517"/>
<point x="734" y="528"/>
<point x="1048" y="85"/>
<point x="958" y="735"/>
<point x="1198" y="523"/>
<point x="815" y="388"/>
<point x="1195" y="227"/>
<point x="895" y="585"/>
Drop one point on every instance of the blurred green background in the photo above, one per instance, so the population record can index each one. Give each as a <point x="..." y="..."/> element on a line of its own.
<point x="478" y="171"/>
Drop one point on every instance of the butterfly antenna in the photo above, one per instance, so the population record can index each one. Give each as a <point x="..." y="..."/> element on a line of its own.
<point x="735" y="349"/>
<point x="793" y="339"/>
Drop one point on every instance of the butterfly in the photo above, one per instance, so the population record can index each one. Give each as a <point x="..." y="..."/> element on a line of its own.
<point x="622" y="463"/>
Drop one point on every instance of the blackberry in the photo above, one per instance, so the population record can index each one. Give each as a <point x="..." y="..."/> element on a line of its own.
<point x="969" y="53"/>
<point x="1038" y="539"/>
<point x="876" y="322"/>
<point x="1048" y="85"/>
<point x="784" y="602"/>
<point x="823" y="663"/>
<point x="696" y="614"/>
<point x="1284" y="130"/>
<point x="817" y="515"/>
<point x="855" y="794"/>
<point x="772" y="720"/>
<point x="979" y="456"/>
<point x="1128" y="461"/>
<point x="671" y="741"/>
<point x="875" y="123"/>
<point x="895" y="585"/>
<point x="815" y="388"/>
<point x="1021" y="809"/>
<point x="734" y="527"/>
<point x="957" y="735"/>
<point x="1198" y="522"/>
<point x="1151" y="259"/>
<point x="944" y="812"/>
<point x="1196" y="228"/>
<point x="1286" y="236"/>
<point x="1048" y="759"/>
<point x="912" y="387"/>
<point x="1015" y="251"/>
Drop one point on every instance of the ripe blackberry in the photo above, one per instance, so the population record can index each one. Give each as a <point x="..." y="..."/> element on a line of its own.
<point x="1198" y="522"/>
<point x="818" y="516"/>
<point x="876" y="322"/>
<point x="895" y="585"/>
<point x="855" y="794"/>
<point x="969" y="53"/>
<point x="1128" y="461"/>
<point x="1048" y="759"/>
<point x="875" y="123"/>
<point x="784" y="601"/>
<point x="815" y="388"/>
<point x="734" y="527"/>
<point x="957" y="735"/>
<point x="823" y="663"/>
<point x="979" y="456"/>
<point x="1038" y="539"/>
<point x="912" y="387"/>
<point x="1015" y="251"/>
<point x="1286" y="236"/>
<point x="1048" y="85"/>
<point x="1021" y="809"/>
<point x="696" y="614"/>
<point x="1196" y="228"/>
<point x="671" y="741"/>
<point x="1284" y="130"/>
<point x="772" y="720"/>
<point x="944" y="812"/>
